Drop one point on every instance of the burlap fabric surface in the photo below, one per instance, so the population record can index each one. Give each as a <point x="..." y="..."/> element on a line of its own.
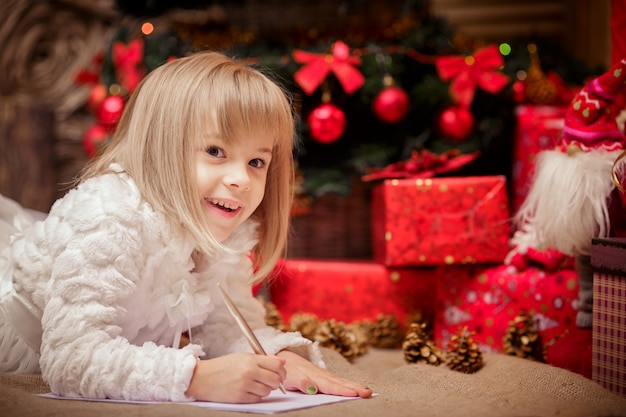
<point x="506" y="386"/>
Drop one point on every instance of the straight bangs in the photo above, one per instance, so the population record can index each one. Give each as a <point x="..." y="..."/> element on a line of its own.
<point x="245" y="103"/>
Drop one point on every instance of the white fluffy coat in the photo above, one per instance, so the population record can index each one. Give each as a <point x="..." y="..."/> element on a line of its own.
<point x="112" y="287"/>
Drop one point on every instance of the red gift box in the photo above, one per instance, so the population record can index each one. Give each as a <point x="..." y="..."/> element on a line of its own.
<point x="608" y="259"/>
<point x="538" y="128"/>
<point x="487" y="299"/>
<point x="349" y="291"/>
<point x="440" y="221"/>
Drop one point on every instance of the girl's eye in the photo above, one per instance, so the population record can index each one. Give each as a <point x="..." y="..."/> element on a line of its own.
<point x="215" y="151"/>
<point x="257" y="163"/>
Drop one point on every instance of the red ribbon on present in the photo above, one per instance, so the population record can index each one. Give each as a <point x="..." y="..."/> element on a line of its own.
<point x="422" y="164"/>
<point x="128" y="63"/>
<point x="467" y="72"/>
<point x="318" y="66"/>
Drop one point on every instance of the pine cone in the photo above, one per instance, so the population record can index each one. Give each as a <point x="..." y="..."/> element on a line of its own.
<point x="386" y="332"/>
<point x="542" y="91"/>
<point x="463" y="354"/>
<point x="272" y="315"/>
<point x="339" y="337"/>
<point x="305" y="323"/>
<point x="361" y="334"/>
<point x="539" y="88"/>
<point x="414" y="317"/>
<point x="522" y="338"/>
<point x="418" y="348"/>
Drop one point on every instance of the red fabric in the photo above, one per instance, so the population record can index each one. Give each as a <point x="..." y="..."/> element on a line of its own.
<point x="352" y="290"/>
<point x="617" y="213"/>
<point x="590" y="120"/>
<point x="486" y="299"/>
<point x="573" y="351"/>
<point x="538" y="128"/>
<point x="618" y="30"/>
<point x="440" y="221"/>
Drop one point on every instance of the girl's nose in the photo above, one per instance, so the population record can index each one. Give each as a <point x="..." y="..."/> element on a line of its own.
<point x="237" y="176"/>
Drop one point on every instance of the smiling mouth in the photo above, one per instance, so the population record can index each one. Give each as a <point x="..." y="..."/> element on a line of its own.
<point x="223" y="205"/>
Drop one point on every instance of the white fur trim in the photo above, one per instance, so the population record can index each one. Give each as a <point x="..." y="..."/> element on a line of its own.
<point x="567" y="203"/>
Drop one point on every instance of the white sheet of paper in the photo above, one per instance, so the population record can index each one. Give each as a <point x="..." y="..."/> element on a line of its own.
<point x="276" y="402"/>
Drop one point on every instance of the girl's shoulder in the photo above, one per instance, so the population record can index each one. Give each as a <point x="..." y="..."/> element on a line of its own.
<point x="112" y="195"/>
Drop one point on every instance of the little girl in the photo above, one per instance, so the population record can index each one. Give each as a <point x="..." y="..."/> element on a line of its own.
<point x="194" y="190"/>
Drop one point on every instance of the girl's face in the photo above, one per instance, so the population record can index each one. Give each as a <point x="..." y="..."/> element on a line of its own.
<point x="231" y="180"/>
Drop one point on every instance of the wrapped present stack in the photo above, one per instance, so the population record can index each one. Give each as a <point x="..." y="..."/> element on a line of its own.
<point x="439" y="247"/>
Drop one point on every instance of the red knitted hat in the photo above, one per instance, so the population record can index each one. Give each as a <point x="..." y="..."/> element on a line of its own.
<point x="590" y="120"/>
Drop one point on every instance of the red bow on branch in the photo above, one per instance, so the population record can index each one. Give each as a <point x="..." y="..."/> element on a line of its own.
<point x="318" y="66"/>
<point x="90" y="75"/>
<point x="422" y="164"/>
<point x="480" y="69"/>
<point x="128" y="63"/>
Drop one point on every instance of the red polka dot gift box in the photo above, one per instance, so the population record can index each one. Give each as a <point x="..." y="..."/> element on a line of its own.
<point x="486" y="299"/>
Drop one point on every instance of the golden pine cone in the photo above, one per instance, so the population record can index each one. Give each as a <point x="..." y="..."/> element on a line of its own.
<point x="463" y="354"/>
<point x="272" y="315"/>
<point x="414" y="317"/>
<point x="539" y="88"/>
<point x="522" y="338"/>
<point x="305" y="323"/>
<point x="386" y="332"/>
<point x="337" y="336"/>
<point x="361" y="334"/>
<point x="542" y="91"/>
<point x="418" y="348"/>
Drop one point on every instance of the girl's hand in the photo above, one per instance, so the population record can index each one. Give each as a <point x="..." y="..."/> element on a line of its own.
<point x="306" y="377"/>
<point x="236" y="378"/>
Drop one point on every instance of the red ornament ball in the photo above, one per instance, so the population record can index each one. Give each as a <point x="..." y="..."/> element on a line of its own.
<point x="94" y="138"/>
<point x="327" y="123"/>
<point x="455" y="123"/>
<point x="110" y="111"/>
<point x="96" y="97"/>
<point x="519" y="92"/>
<point x="391" y="104"/>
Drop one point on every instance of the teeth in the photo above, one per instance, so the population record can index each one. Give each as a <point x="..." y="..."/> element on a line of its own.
<point x="223" y="204"/>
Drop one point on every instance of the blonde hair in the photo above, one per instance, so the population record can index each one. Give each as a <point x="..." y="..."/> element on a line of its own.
<point x="164" y="122"/>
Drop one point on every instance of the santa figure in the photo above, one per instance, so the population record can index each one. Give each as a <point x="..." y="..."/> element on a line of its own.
<point x="576" y="193"/>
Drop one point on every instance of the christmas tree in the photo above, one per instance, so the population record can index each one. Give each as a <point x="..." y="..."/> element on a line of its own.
<point x="370" y="89"/>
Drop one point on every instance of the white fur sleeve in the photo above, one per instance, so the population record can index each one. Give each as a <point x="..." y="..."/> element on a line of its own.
<point x="95" y="241"/>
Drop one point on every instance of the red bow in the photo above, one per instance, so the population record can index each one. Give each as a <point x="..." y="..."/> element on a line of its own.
<point x="90" y="75"/>
<point x="468" y="72"/>
<point x="422" y="164"/>
<point x="318" y="66"/>
<point x="128" y="63"/>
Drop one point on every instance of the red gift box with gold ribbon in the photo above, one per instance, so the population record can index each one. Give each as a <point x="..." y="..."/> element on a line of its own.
<point x="352" y="290"/>
<point x="440" y="221"/>
<point x="487" y="299"/>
